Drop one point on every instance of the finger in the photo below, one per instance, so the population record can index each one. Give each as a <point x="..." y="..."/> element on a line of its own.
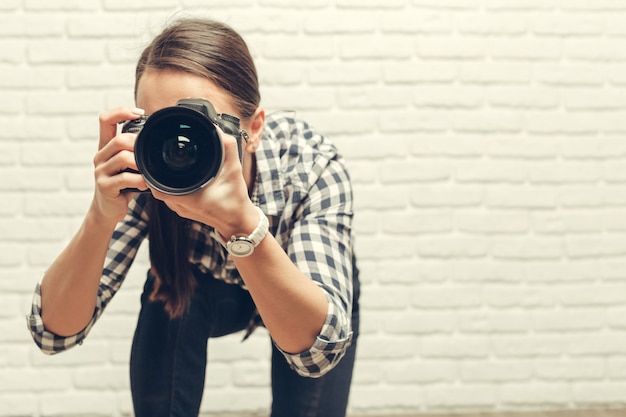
<point x="231" y="148"/>
<point x="111" y="118"/>
<point x="123" y="143"/>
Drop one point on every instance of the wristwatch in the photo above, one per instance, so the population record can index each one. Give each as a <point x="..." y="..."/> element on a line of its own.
<point x="241" y="246"/>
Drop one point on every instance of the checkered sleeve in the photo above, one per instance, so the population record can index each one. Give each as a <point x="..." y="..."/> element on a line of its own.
<point x="125" y="242"/>
<point x="320" y="244"/>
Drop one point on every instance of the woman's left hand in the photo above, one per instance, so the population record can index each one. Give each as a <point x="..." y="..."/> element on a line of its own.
<point x="224" y="203"/>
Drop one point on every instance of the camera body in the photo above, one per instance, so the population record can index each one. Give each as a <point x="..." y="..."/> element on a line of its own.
<point x="178" y="149"/>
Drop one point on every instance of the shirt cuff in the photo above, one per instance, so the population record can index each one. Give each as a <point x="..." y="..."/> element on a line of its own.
<point x="327" y="350"/>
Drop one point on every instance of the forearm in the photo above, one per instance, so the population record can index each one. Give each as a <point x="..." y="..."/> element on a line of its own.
<point x="292" y="306"/>
<point x="70" y="286"/>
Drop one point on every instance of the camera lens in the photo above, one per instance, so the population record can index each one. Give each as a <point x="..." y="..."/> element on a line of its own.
<point x="180" y="153"/>
<point x="178" y="150"/>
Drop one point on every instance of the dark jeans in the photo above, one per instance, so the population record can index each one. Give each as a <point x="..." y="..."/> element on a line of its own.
<point x="168" y="358"/>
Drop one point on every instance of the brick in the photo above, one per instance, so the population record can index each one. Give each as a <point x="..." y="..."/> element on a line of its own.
<point x="563" y="223"/>
<point x="114" y="26"/>
<point x="487" y="121"/>
<point x="598" y="343"/>
<point x="403" y="397"/>
<point x="414" y="121"/>
<point x="495" y="73"/>
<point x="451" y="47"/>
<point x="495" y="370"/>
<point x="491" y="172"/>
<point x="308" y="4"/>
<point x="491" y="24"/>
<point x="421" y="372"/>
<point x="100" y="403"/>
<point x="492" y="222"/>
<point x="12" y="51"/>
<point x="447" y="4"/>
<point x="139" y="5"/>
<point x="568" y="369"/>
<point x="437" y="297"/>
<point x="417" y="223"/>
<point x="538" y="394"/>
<point x="375" y="4"/>
<point x="42" y="78"/>
<point x="520" y="198"/>
<point x="493" y="321"/>
<point x="228" y="400"/>
<point x="375" y="48"/>
<point x="424" y="72"/>
<point x="570" y="74"/>
<point x="526" y="248"/>
<point x="101" y="77"/>
<point x="582" y="247"/>
<point x="455" y="346"/>
<point x="376" y="248"/>
<point x="564" y="173"/>
<point x="342" y="22"/>
<point x="61" y="5"/>
<point x="298" y="99"/>
<point x="253" y="374"/>
<point x="593" y="148"/>
<point x="529" y="5"/>
<point x="416" y="22"/>
<point x="578" y="320"/>
<point x="15" y="404"/>
<point x="448" y="97"/>
<point x="568" y="25"/>
<point x="526" y="49"/>
<point x="65" y="52"/>
<point x="39" y="25"/>
<point x="420" y="322"/>
<point x="387" y="299"/>
<point x="63" y="103"/>
<point x="582" y="5"/>
<point x="433" y="196"/>
<point x="593" y="393"/>
<point x="414" y="171"/>
<point x="528" y="97"/>
<point x="530" y="345"/>
<point x="373" y="98"/>
<point x="450" y="395"/>
<point x="388" y="347"/>
<point x="346" y="73"/>
<point x="382" y="197"/>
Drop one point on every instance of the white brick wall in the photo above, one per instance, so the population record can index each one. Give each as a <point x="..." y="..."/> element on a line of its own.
<point x="485" y="140"/>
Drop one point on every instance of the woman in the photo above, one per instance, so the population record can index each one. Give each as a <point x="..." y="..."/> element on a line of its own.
<point x="299" y="281"/>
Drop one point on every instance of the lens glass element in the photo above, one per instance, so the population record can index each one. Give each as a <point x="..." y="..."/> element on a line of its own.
<point x="180" y="153"/>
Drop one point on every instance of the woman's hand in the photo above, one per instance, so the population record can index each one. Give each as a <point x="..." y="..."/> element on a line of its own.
<point x="115" y="155"/>
<point x="224" y="203"/>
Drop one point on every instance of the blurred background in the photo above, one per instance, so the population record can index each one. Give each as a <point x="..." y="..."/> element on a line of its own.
<point x="485" y="139"/>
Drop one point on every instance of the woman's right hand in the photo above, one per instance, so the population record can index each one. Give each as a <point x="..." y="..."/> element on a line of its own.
<point x="115" y="155"/>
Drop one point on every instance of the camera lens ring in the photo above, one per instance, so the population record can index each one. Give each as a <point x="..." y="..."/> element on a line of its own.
<point x="179" y="126"/>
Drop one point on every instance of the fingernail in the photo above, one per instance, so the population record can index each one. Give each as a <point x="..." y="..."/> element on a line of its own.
<point x="138" y="111"/>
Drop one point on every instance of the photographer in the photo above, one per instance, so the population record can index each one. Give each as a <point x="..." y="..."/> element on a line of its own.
<point x="266" y="241"/>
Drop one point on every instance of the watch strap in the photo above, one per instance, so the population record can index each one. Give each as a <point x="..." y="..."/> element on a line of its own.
<point x="254" y="238"/>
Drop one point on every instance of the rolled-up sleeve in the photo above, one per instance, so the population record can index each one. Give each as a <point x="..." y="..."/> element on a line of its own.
<point x="123" y="247"/>
<point x="320" y="244"/>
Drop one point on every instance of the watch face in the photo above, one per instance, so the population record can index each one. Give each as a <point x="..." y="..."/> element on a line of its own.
<point x="241" y="247"/>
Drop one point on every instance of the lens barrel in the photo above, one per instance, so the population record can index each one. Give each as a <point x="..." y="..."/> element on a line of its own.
<point x="178" y="150"/>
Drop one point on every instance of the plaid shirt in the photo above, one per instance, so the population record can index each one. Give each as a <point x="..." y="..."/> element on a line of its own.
<point x="304" y="189"/>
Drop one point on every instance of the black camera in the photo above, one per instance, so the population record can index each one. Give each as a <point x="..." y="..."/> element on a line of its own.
<point x="178" y="150"/>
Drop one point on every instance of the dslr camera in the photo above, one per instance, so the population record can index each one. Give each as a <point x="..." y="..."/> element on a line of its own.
<point x="178" y="149"/>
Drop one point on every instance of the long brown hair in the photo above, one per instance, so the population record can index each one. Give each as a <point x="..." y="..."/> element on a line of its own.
<point x="214" y="51"/>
